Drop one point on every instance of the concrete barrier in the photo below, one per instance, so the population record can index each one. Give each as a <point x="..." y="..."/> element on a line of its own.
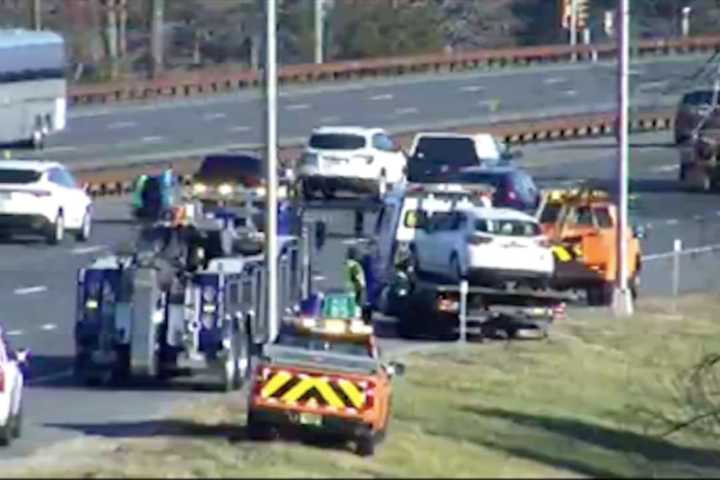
<point x="213" y="81"/>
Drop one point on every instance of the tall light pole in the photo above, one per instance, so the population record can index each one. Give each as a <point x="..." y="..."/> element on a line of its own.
<point x="271" y="246"/>
<point x="157" y="48"/>
<point x="622" y="297"/>
<point x="573" y="25"/>
<point x="685" y="23"/>
<point x="319" y="30"/>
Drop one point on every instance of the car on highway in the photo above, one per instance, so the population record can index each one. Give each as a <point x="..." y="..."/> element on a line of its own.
<point x="513" y="187"/>
<point x="39" y="197"/>
<point x="693" y="107"/>
<point x="488" y="246"/>
<point x="12" y="381"/>
<point x="354" y="159"/>
<point x="324" y="377"/>
<point x="434" y="156"/>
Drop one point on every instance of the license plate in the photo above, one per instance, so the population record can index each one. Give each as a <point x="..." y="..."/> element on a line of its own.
<point x="312" y="419"/>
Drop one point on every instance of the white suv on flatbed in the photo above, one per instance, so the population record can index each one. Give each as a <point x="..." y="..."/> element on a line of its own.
<point x="354" y="159"/>
<point x="490" y="246"/>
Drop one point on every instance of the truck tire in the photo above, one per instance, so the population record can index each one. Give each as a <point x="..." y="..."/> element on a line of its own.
<point x="6" y="436"/>
<point x="17" y="422"/>
<point x="365" y="445"/>
<point x="258" y="431"/>
<point x="56" y="231"/>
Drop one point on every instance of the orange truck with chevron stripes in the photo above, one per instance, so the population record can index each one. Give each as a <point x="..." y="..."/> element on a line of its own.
<point x="325" y="379"/>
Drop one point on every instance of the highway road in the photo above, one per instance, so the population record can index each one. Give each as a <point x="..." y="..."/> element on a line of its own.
<point x="37" y="288"/>
<point x="118" y="134"/>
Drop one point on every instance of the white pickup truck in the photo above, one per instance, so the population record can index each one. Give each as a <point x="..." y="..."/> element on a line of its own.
<point x="436" y="156"/>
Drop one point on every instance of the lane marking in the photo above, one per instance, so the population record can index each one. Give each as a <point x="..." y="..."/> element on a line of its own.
<point x="208" y="117"/>
<point x="654" y="85"/>
<point x="30" y="290"/>
<point x="318" y="277"/>
<point x="62" y="148"/>
<point x="299" y="106"/>
<point x="49" y="326"/>
<point x="239" y="128"/>
<point x="554" y="80"/>
<point x="153" y="139"/>
<point x="572" y="93"/>
<point x="330" y="119"/>
<point x="382" y="96"/>
<point x="86" y="250"/>
<point x="121" y="125"/>
<point x="406" y="111"/>
<point x="472" y="88"/>
<point x="666" y="168"/>
<point x="636" y="71"/>
<point x="14" y="333"/>
<point x="672" y="221"/>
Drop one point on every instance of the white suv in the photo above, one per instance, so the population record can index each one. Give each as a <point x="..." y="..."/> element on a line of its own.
<point x="42" y="197"/>
<point x="352" y="159"/>
<point x="491" y="246"/>
<point x="12" y="381"/>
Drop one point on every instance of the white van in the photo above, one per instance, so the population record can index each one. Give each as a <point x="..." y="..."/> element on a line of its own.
<point x="396" y="224"/>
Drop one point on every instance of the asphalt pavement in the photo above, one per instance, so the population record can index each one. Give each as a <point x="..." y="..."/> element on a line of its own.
<point x="119" y="134"/>
<point x="37" y="282"/>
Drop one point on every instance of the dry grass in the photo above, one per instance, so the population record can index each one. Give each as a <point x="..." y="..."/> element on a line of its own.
<point x="588" y="402"/>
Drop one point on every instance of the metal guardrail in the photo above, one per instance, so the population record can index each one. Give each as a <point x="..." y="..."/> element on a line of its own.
<point x="218" y="81"/>
<point x="106" y="181"/>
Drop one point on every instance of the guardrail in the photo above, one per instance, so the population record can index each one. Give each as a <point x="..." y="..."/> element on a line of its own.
<point x="105" y="181"/>
<point x="218" y="81"/>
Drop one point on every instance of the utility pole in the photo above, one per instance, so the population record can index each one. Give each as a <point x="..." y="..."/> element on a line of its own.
<point x="36" y="14"/>
<point x="319" y="30"/>
<point x="622" y="297"/>
<point x="573" y="26"/>
<point x="271" y="245"/>
<point x="685" y="23"/>
<point x="156" y="37"/>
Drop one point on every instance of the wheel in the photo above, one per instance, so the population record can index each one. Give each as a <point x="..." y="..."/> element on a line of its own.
<point x="83" y="235"/>
<point x="415" y="261"/>
<point x="258" y="431"/>
<point x="56" y="231"/>
<point x="682" y="173"/>
<point x="230" y="372"/>
<point x="455" y="270"/>
<point x="600" y="295"/>
<point x="305" y="190"/>
<point x="17" y="422"/>
<point x="634" y="285"/>
<point x="366" y="445"/>
<point x="6" y="436"/>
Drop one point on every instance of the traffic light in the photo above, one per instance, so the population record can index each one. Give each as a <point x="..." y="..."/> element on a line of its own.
<point x="582" y="13"/>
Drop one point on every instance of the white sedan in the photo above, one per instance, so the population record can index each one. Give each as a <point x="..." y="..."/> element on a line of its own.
<point x="11" y="392"/>
<point x="491" y="246"/>
<point x="43" y="198"/>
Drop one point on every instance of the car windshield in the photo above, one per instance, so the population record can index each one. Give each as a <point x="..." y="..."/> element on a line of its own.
<point x="699" y="98"/>
<point x="230" y="167"/>
<point x="339" y="306"/>
<point x="317" y="343"/>
<point x="10" y="176"/>
<point x="550" y="213"/>
<point x="508" y="227"/>
<point x="337" y="141"/>
<point x="456" y="152"/>
<point x="492" y="179"/>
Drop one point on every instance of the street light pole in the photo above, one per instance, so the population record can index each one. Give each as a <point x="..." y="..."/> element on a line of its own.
<point x="319" y="31"/>
<point x="622" y="297"/>
<point x="685" y="27"/>
<point x="271" y="246"/>
<point x="573" y="25"/>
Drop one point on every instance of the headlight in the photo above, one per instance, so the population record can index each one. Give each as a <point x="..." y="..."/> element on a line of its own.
<point x="225" y="189"/>
<point x="260" y="191"/>
<point x="282" y="191"/>
<point x="199" y="188"/>
<point x="209" y="294"/>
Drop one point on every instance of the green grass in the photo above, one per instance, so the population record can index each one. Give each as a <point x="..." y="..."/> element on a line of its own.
<point x="590" y="401"/>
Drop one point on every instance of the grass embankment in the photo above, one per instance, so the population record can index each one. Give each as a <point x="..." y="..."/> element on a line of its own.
<point x="587" y="402"/>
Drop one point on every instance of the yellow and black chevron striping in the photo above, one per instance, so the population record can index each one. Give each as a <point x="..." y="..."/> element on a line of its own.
<point x="567" y="253"/>
<point x="313" y="391"/>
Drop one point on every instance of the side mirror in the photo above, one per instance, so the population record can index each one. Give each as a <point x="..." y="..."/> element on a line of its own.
<point x="395" y="369"/>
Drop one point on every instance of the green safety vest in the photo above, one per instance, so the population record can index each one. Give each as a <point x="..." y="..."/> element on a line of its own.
<point x="137" y="191"/>
<point x="354" y="275"/>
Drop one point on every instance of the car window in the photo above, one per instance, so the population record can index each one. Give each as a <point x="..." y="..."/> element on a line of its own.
<point x="67" y="179"/>
<point x="337" y="141"/>
<point x="698" y="98"/>
<point x="602" y="215"/>
<point x="457" y="152"/>
<point x="413" y="217"/>
<point x="9" y="175"/>
<point x="320" y="344"/>
<point x="482" y="178"/>
<point x="55" y="176"/>
<point x="230" y="167"/>
<point x="508" y="227"/>
<point x="550" y="213"/>
<point x="382" y="142"/>
<point x="584" y="217"/>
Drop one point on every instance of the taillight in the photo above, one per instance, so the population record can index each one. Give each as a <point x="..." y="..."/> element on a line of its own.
<point x="447" y="305"/>
<point x="510" y="195"/>
<point x="261" y="374"/>
<point x="369" y="396"/>
<point x="478" y="239"/>
<point x="559" y="311"/>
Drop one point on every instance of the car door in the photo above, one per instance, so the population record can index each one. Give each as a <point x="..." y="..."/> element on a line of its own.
<point x="389" y="157"/>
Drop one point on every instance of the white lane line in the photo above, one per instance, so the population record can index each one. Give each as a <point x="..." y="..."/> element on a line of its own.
<point x="330" y="119"/>
<point x="717" y="213"/>
<point x="472" y="88"/>
<point x="672" y="221"/>
<point x="554" y="80"/>
<point x="698" y="217"/>
<point x="50" y="377"/>
<point x="86" y="250"/>
<point x="62" y="148"/>
<point x="14" y="333"/>
<point x="572" y="93"/>
<point x="239" y="128"/>
<point x="208" y="117"/>
<point x="49" y="326"/>
<point x="406" y="111"/>
<point x="121" y="125"/>
<point x="654" y="85"/>
<point x="152" y="139"/>
<point x="30" y="290"/>
<point x="299" y="106"/>
<point x="319" y="277"/>
<point x="666" y="168"/>
<point x="383" y="96"/>
<point x="636" y="71"/>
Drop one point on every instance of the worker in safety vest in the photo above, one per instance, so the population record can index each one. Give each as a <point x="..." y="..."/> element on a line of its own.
<point x="355" y="276"/>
